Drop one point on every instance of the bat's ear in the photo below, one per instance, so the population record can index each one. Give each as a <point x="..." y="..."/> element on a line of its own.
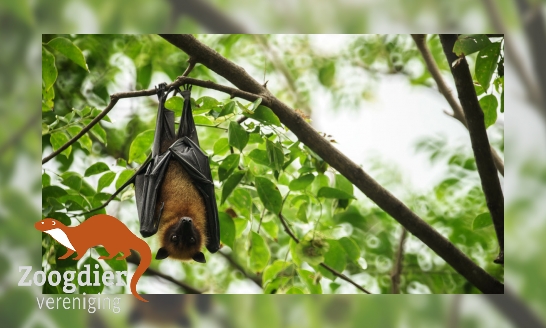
<point x="199" y="257"/>
<point x="162" y="253"/>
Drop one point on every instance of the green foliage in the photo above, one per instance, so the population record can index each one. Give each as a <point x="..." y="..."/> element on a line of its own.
<point x="259" y="170"/>
<point x="467" y="44"/>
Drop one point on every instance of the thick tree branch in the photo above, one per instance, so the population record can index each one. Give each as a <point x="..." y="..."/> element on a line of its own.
<point x="478" y="137"/>
<point x="420" y="41"/>
<point x="187" y="288"/>
<point x="311" y="138"/>
<point x="397" y="269"/>
<point x="322" y="264"/>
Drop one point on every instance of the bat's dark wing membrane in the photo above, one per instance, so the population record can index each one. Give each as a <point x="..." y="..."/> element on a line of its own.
<point x="196" y="163"/>
<point x="187" y="151"/>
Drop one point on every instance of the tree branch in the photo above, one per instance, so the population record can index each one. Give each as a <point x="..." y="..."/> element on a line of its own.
<point x="322" y="264"/>
<point x="478" y="137"/>
<point x="187" y="288"/>
<point x="458" y="114"/>
<point x="150" y="92"/>
<point x="397" y="269"/>
<point x="312" y="139"/>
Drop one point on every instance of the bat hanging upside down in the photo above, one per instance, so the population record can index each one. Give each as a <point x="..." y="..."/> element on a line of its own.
<point x="174" y="189"/>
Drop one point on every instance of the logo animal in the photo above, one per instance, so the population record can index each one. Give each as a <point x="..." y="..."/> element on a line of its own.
<point x="103" y="230"/>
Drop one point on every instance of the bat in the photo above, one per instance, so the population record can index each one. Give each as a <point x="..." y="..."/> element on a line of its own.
<point x="174" y="189"/>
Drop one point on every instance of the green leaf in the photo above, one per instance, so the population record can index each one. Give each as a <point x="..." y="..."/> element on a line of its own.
<point x="93" y="266"/>
<point x="221" y="146"/>
<point x="73" y="130"/>
<point x="70" y="50"/>
<point x="255" y="104"/>
<point x="53" y="192"/>
<point x="343" y="184"/>
<point x="467" y="44"/>
<point x="58" y="139"/>
<point x="263" y="115"/>
<point x="86" y="143"/>
<point x="489" y="106"/>
<point x="105" y="180"/>
<point x="335" y="258"/>
<point x="229" y="164"/>
<point x="259" y="253"/>
<point x="302" y="182"/>
<point x="237" y="136"/>
<point x="302" y="213"/>
<point x="175" y="104"/>
<point x="308" y="278"/>
<point x="269" y="194"/>
<point x="275" y="154"/>
<point x="482" y="221"/>
<point x="96" y="168"/>
<point x="273" y="270"/>
<point x="46" y="180"/>
<point x="231" y="183"/>
<point x="259" y="156"/>
<point x="99" y="133"/>
<point x="328" y="192"/>
<point x="228" y="108"/>
<point x="73" y="181"/>
<point x="140" y="147"/>
<point x="202" y="120"/>
<point x="49" y="71"/>
<point x="327" y="74"/>
<point x="351" y="248"/>
<point x="207" y="102"/>
<point x="123" y="177"/>
<point x="227" y="229"/>
<point x="294" y="252"/>
<point x="294" y="290"/>
<point x="116" y="265"/>
<point x="486" y="64"/>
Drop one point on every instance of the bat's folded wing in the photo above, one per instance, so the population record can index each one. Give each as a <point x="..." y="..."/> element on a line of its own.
<point x="147" y="188"/>
<point x="196" y="163"/>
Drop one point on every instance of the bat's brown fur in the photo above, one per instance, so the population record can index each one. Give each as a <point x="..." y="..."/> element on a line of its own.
<point x="181" y="199"/>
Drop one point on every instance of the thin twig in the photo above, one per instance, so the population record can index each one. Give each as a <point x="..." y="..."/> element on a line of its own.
<point x="458" y="114"/>
<point x="397" y="269"/>
<point x="339" y="161"/>
<point x="191" y="65"/>
<point x="324" y="265"/>
<point x="187" y="288"/>
<point x="478" y="136"/>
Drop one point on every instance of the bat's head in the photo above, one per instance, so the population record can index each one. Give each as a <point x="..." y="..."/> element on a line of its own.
<point x="48" y="224"/>
<point x="182" y="240"/>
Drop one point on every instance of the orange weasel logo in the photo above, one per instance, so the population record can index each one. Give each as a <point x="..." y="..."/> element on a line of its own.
<point x="103" y="230"/>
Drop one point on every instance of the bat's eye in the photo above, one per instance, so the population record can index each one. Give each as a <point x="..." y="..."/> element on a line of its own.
<point x="174" y="238"/>
<point x="192" y="240"/>
<point x="53" y="223"/>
